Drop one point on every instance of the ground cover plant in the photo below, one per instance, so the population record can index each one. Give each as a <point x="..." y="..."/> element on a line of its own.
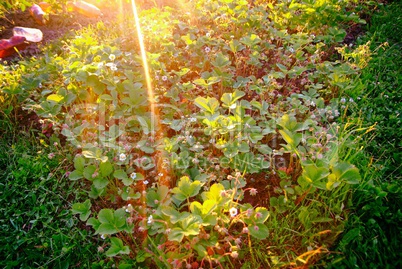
<point x="373" y="234"/>
<point x="230" y="146"/>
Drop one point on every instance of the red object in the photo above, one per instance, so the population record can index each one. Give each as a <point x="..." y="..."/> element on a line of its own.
<point x="38" y="14"/>
<point x="7" y="45"/>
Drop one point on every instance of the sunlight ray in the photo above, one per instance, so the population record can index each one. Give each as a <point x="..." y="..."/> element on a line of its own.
<point x="163" y="180"/>
<point x="146" y="68"/>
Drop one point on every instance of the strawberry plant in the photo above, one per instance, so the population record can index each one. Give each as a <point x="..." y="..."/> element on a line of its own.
<point x="237" y="147"/>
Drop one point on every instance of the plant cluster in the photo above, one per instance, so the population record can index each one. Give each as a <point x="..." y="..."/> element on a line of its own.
<point x="240" y="90"/>
<point x="373" y="234"/>
<point x="38" y="229"/>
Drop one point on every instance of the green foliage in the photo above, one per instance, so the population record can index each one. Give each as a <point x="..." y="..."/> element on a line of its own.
<point x="186" y="189"/>
<point x="8" y="5"/>
<point x="37" y="227"/>
<point x="117" y="248"/>
<point x="373" y="235"/>
<point x="83" y="209"/>
<point x="240" y="90"/>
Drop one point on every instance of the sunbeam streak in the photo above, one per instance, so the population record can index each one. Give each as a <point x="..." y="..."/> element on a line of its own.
<point x="163" y="180"/>
<point x="146" y="69"/>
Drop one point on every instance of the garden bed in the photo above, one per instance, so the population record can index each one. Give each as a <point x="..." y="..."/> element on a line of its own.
<point x="236" y="157"/>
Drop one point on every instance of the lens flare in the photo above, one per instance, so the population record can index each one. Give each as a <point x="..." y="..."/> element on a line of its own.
<point x="146" y="68"/>
<point x="164" y="179"/>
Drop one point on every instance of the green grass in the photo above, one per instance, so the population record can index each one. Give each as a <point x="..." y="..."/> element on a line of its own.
<point x="373" y="234"/>
<point x="37" y="229"/>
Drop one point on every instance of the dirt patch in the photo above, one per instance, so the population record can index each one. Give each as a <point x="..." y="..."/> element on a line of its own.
<point x="59" y="25"/>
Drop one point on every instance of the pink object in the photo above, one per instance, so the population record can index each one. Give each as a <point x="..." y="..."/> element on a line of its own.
<point x="38" y="14"/>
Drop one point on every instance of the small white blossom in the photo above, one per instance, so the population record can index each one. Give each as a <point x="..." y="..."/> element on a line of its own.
<point x="150" y="219"/>
<point x="129" y="208"/>
<point x="164" y="78"/>
<point x="112" y="66"/>
<point x="207" y="49"/>
<point x="112" y="57"/>
<point x="133" y="175"/>
<point x="233" y="212"/>
<point x="146" y="182"/>
<point x="234" y="254"/>
<point x="122" y="157"/>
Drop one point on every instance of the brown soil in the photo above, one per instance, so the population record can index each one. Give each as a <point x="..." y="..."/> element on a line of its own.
<point x="59" y="25"/>
<point x="62" y="23"/>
